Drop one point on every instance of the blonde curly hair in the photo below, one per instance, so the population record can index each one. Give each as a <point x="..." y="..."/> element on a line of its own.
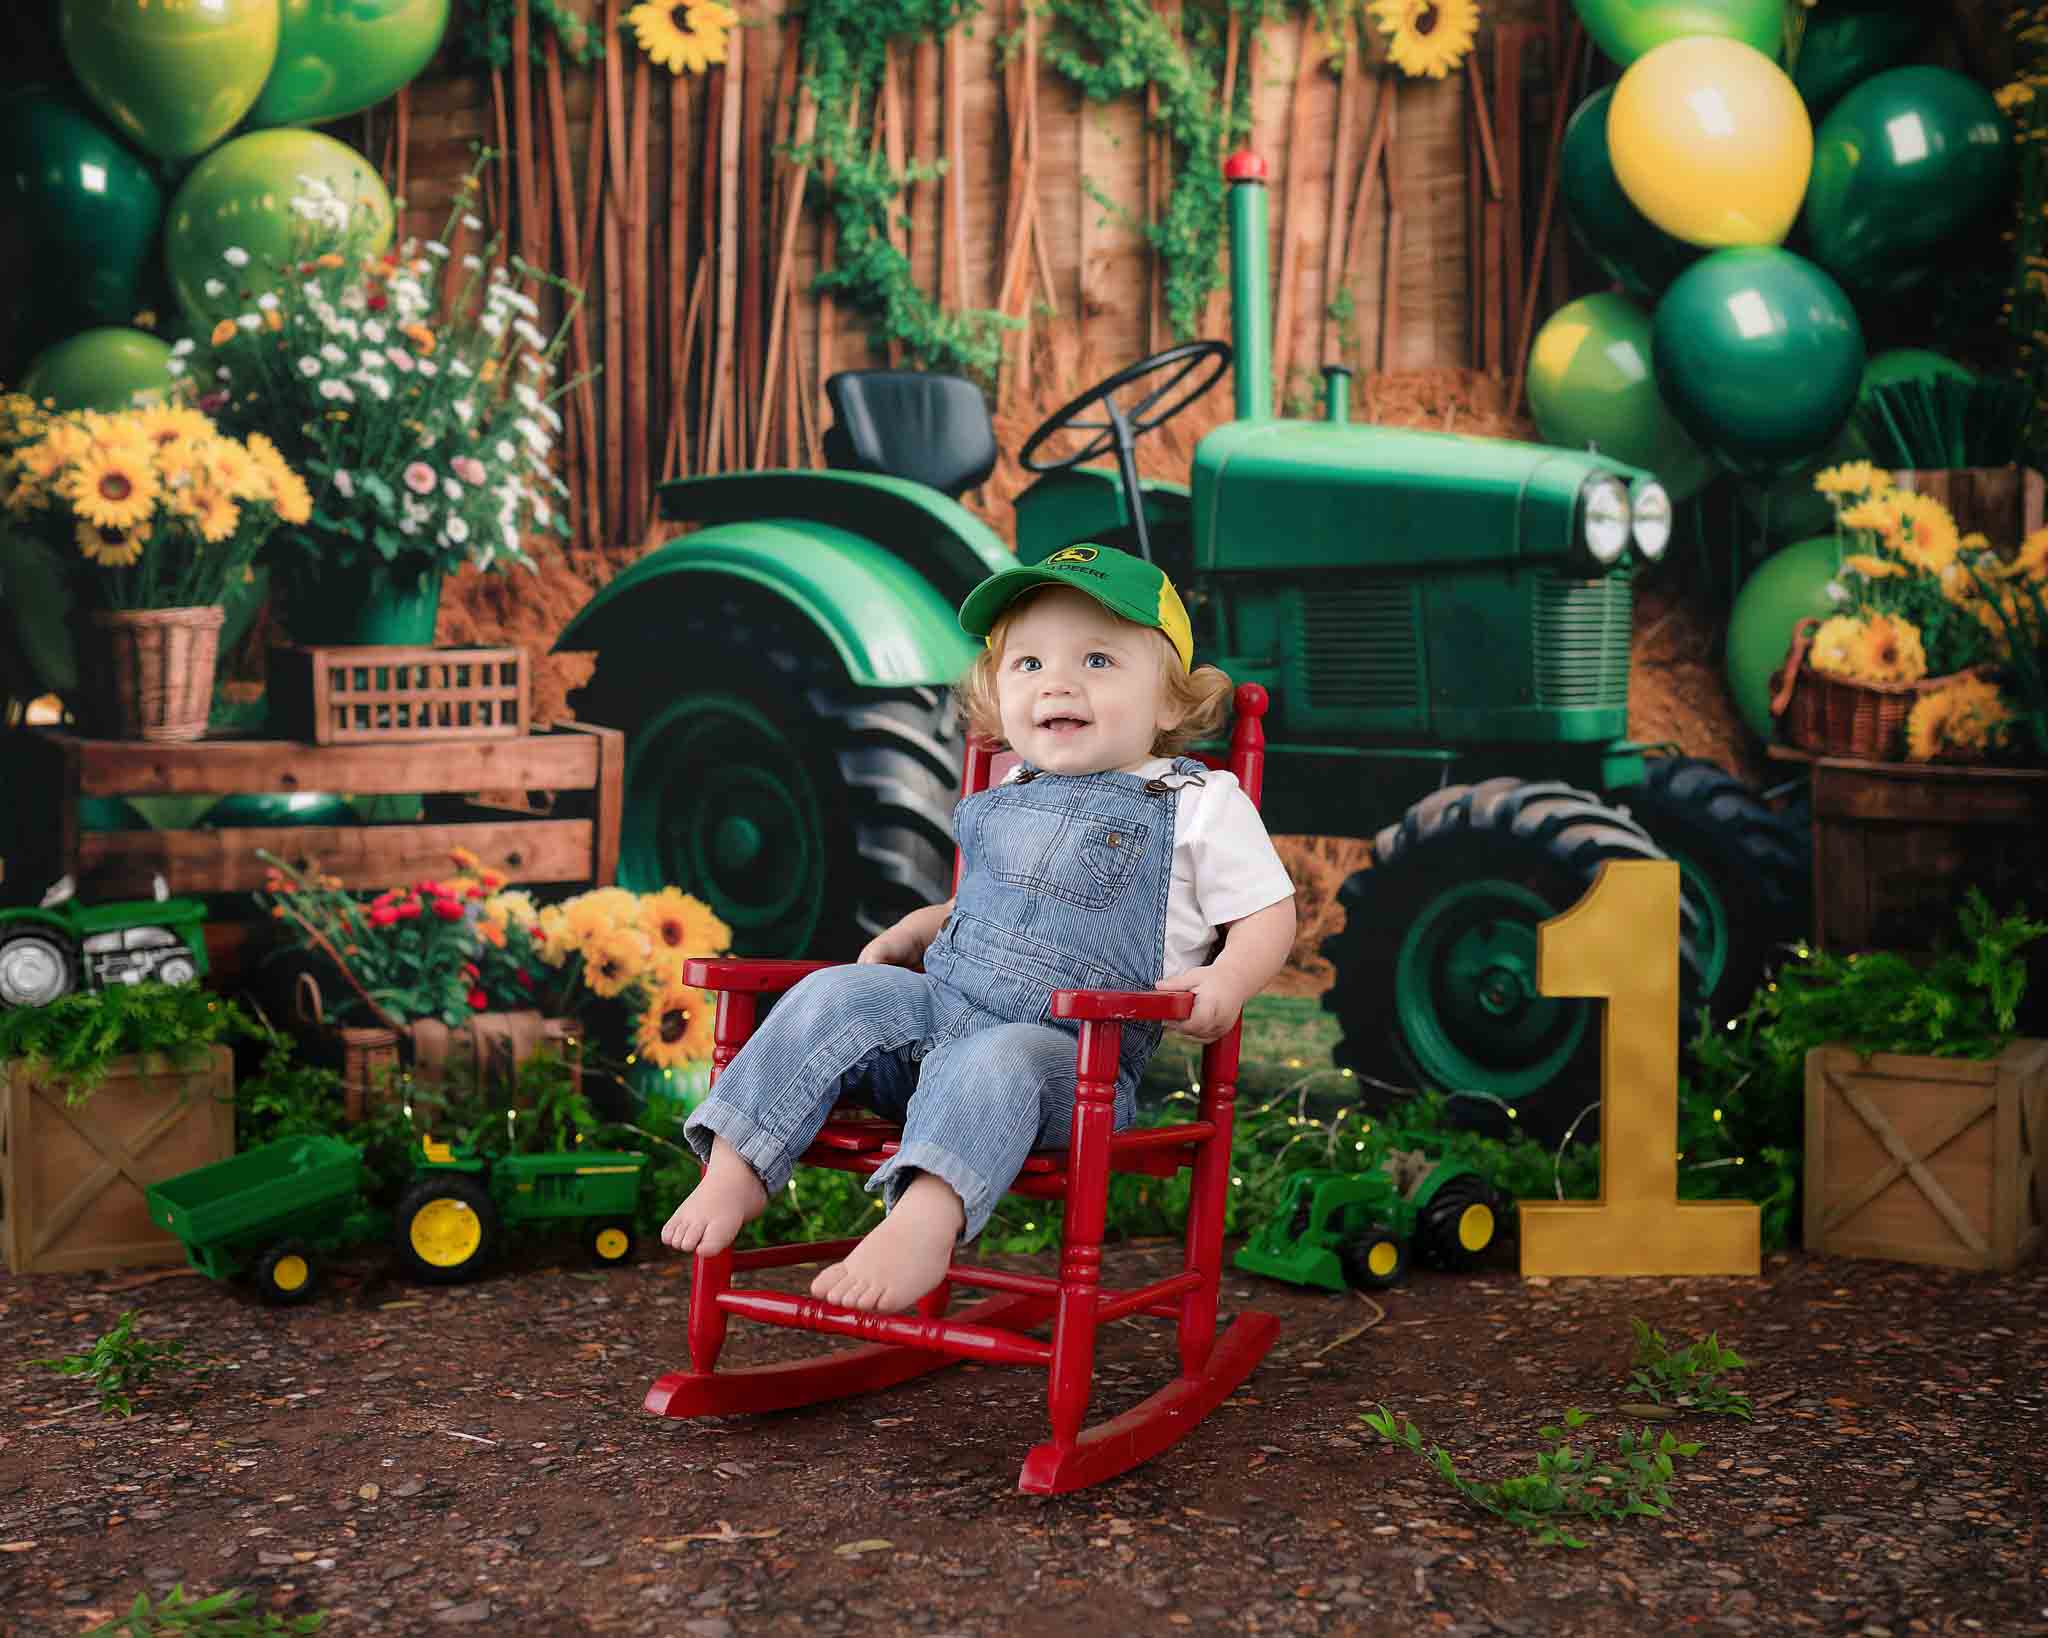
<point x="1199" y="699"/>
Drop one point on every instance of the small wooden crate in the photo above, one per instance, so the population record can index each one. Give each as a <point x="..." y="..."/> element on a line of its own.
<point x="1928" y="1160"/>
<point x="384" y="696"/>
<point x="73" y="1175"/>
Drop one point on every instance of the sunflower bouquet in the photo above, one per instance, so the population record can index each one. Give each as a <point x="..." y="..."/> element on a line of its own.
<point x="149" y="508"/>
<point x="414" y="387"/>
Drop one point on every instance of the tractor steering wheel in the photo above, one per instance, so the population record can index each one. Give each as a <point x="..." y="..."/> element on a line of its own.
<point x="1119" y="428"/>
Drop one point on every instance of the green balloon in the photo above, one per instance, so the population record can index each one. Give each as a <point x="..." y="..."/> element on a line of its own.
<point x="1847" y="41"/>
<point x="1759" y="355"/>
<point x="238" y="198"/>
<point x="80" y="209"/>
<point x="337" y="57"/>
<point x="1898" y="364"/>
<point x="1786" y="587"/>
<point x="1625" y="29"/>
<point x="1591" y="382"/>
<point x="1630" y="248"/>
<point x="1905" y="159"/>
<point x="173" y="78"/>
<point x="106" y="369"/>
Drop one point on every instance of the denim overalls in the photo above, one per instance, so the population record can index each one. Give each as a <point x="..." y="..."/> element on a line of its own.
<point x="1063" y="886"/>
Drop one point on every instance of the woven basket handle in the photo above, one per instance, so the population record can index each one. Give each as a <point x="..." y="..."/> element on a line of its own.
<point x="1782" y="680"/>
<point x="307" y="998"/>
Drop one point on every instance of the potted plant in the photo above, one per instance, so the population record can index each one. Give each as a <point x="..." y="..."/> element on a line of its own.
<point x="415" y="389"/>
<point x="137" y="523"/>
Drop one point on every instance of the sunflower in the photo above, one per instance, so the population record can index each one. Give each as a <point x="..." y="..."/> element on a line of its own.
<point x="1961" y="721"/>
<point x="288" y="491"/>
<point x="615" y="959"/>
<point x="681" y="925"/>
<point x="112" y="548"/>
<point x="233" y="469"/>
<point x="1890" y="651"/>
<point x="165" y="424"/>
<point x="1836" y="645"/>
<point x="1427" y="37"/>
<point x="1871" y="566"/>
<point x="214" y="513"/>
<point x="1858" y="478"/>
<point x="676" y="1026"/>
<point x="1927" y="536"/>
<point x="681" y="35"/>
<point x="113" y="488"/>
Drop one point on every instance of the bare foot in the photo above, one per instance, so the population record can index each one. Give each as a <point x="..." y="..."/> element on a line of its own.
<point x="903" y="1256"/>
<point x="726" y="1199"/>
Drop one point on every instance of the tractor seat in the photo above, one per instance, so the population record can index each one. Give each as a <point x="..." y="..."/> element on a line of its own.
<point x="931" y="429"/>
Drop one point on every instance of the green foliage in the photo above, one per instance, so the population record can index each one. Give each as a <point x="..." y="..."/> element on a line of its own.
<point x="483" y="32"/>
<point x="120" y="1361"/>
<point x="286" y="1098"/>
<point x="2020" y="607"/>
<point x="844" y="42"/>
<point x="1567" y="1487"/>
<point x="1691" y="1376"/>
<point x="231" y="1614"/>
<point x="73" y="1041"/>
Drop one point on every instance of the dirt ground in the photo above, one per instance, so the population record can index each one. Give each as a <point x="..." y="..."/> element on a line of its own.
<point x="410" y="1459"/>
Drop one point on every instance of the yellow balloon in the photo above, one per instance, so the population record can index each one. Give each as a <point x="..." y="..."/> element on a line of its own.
<point x="1711" y="141"/>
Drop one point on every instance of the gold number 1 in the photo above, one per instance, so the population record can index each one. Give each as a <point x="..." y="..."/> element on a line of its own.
<point x="1621" y="942"/>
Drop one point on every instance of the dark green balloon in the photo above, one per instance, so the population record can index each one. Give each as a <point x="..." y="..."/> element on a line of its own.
<point x="1786" y="587"/>
<point x="1759" y="355"/>
<point x="1905" y="159"/>
<point x="79" y="212"/>
<point x="338" y="57"/>
<point x="1630" y="248"/>
<point x="1847" y="41"/>
<point x="1625" y="29"/>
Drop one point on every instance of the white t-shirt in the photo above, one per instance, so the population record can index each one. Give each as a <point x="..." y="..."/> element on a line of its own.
<point x="1224" y="864"/>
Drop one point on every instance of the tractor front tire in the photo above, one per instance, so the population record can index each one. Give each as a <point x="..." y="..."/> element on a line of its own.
<point x="611" y="1243"/>
<point x="286" y="1275"/>
<point x="1436" y="966"/>
<point x="1374" y="1259"/>
<point x="448" y="1228"/>
<point x="1748" y="871"/>
<point x="808" y="813"/>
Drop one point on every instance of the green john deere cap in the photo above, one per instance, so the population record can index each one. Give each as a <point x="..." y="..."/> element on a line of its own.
<point x="1121" y="583"/>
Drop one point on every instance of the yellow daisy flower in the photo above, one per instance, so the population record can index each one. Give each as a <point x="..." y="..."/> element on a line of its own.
<point x="1872" y="567"/>
<point x="682" y="35"/>
<point x="1891" y="651"/>
<point x="1427" y="37"/>
<point x="677" y="1026"/>
<point x="681" y="925"/>
<point x="515" y="907"/>
<point x="551" y="935"/>
<point x="113" y="488"/>
<point x="2032" y="559"/>
<point x="1961" y="721"/>
<point x="233" y="468"/>
<point x="112" y="548"/>
<point x="615" y="959"/>
<point x="1859" y="478"/>
<point x="172" y="424"/>
<point x="1928" y="538"/>
<point x="214" y="514"/>
<point x="1836" y="646"/>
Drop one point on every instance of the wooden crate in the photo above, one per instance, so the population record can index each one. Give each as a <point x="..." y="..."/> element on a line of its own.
<point x="561" y="845"/>
<point x="1927" y="1160"/>
<point x="72" y="1176"/>
<point x="395" y="695"/>
<point x="1895" y="845"/>
<point x="2004" y="503"/>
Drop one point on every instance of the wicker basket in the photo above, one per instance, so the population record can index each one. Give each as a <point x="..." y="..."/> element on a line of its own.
<point x="369" y="1052"/>
<point x="156" y="682"/>
<point x="1831" y="717"/>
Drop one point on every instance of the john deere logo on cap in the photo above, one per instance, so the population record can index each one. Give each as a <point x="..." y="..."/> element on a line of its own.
<point x="1073" y="554"/>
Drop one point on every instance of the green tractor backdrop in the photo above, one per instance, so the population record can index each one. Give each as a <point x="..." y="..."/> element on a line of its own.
<point x="1443" y="622"/>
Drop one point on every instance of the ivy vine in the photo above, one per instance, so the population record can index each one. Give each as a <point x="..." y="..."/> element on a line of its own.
<point x="483" y="31"/>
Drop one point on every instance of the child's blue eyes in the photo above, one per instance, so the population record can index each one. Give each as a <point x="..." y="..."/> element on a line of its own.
<point x="1031" y="662"/>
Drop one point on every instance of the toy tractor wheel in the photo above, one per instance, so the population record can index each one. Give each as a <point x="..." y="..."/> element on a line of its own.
<point x="1374" y="1259"/>
<point x="1748" y="871"/>
<point x="448" y="1229"/>
<point x="1436" y="966"/>
<point x="35" y="969"/>
<point x="808" y="814"/>
<point x="612" y="1243"/>
<point x="179" y="969"/>
<point x="286" y="1274"/>
<point x="1459" y="1225"/>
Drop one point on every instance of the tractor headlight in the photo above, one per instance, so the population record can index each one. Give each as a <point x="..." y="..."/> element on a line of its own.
<point x="1606" y="511"/>
<point x="1652" y="519"/>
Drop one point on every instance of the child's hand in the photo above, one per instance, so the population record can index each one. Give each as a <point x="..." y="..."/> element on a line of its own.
<point x="897" y="947"/>
<point x="1218" y="1001"/>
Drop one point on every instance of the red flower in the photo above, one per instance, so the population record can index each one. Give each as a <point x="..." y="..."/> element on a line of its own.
<point x="376" y="301"/>
<point x="448" y="909"/>
<point x="409" y="910"/>
<point x="478" y="1001"/>
<point x="470" y="970"/>
<point x="476" y="890"/>
<point x="383" y="915"/>
<point x="525" y="979"/>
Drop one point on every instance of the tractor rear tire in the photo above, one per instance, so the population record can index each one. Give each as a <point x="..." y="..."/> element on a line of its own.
<point x="1436" y="966"/>
<point x="286" y="1275"/>
<point x="1374" y="1259"/>
<point x="36" y="969"/>
<point x="611" y="1242"/>
<point x="1459" y="1226"/>
<point x="808" y="813"/>
<point x="448" y="1228"/>
<point x="1748" y="871"/>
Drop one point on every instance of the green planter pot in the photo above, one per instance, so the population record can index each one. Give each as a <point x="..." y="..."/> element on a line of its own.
<point x="370" y="604"/>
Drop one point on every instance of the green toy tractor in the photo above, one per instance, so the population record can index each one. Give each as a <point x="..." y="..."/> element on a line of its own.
<point x="1443" y="623"/>
<point x="451" y="1218"/>
<point x="51" y="949"/>
<point x="1360" y="1229"/>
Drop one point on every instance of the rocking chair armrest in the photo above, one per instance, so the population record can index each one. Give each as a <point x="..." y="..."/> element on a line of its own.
<point x="1123" y="1006"/>
<point x="749" y="976"/>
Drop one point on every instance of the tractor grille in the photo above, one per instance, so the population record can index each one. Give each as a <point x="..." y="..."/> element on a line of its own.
<point x="1360" y="641"/>
<point x="1582" y="640"/>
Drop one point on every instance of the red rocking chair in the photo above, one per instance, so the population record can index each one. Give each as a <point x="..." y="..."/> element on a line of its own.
<point x="897" y="1347"/>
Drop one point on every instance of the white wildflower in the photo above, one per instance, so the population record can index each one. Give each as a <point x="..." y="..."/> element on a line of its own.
<point x="473" y="223"/>
<point x="471" y="264"/>
<point x="267" y="301"/>
<point x="529" y="334"/>
<point x="506" y="450"/>
<point x="461" y="408"/>
<point x="182" y="346"/>
<point x="451" y="489"/>
<point x="456" y="530"/>
<point x="235" y="256"/>
<point x="401" y="360"/>
<point x="374" y="331"/>
<point x="309" y="366"/>
<point x="337" y="390"/>
<point x="457" y="367"/>
<point x="214" y="288"/>
<point x="249" y="321"/>
<point x="437" y="249"/>
<point x="333" y="354"/>
<point x="344" y="480"/>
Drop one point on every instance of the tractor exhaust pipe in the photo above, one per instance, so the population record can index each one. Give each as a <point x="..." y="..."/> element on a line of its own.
<point x="1251" y="326"/>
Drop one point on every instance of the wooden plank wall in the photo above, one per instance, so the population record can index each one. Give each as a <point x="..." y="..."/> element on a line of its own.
<point x="661" y="196"/>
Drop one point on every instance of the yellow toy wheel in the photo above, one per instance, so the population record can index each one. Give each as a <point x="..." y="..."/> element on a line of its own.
<point x="1459" y="1225"/>
<point x="286" y="1274"/>
<point x="611" y="1243"/>
<point x="1374" y="1260"/>
<point x="448" y="1228"/>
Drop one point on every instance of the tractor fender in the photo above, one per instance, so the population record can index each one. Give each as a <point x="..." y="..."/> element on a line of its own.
<point x="887" y="623"/>
<point x="29" y="919"/>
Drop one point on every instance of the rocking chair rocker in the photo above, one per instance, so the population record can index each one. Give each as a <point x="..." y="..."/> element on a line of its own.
<point x="897" y="1347"/>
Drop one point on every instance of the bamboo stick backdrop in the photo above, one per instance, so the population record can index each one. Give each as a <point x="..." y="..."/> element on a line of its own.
<point x="671" y="202"/>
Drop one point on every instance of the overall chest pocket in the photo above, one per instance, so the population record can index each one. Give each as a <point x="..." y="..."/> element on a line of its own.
<point x="1083" y="859"/>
